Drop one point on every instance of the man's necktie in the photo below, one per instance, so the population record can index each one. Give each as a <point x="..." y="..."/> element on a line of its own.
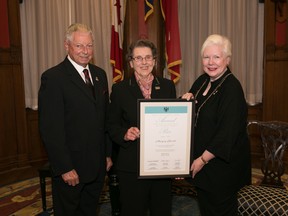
<point x="88" y="81"/>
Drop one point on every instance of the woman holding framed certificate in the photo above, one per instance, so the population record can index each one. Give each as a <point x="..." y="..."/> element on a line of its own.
<point x="138" y="196"/>
<point x="221" y="163"/>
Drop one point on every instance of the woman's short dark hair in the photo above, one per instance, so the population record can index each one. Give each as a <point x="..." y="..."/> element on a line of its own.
<point x="141" y="43"/>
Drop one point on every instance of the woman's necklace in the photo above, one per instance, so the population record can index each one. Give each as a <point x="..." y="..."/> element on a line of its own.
<point x="212" y="93"/>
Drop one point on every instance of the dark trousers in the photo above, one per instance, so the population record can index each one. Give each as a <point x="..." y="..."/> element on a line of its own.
<point x="217" y="204"/>
<point x="137" y="197"/>
<point x="79" y="200"/>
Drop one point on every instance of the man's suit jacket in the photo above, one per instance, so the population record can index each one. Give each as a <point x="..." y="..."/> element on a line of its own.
<point x="123" y="115"/>
<point x="72" y="122"/>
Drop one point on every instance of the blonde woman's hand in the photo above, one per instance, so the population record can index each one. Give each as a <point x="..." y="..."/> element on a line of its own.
<point x="196" y="166"/>
<point x="188" y="96"/>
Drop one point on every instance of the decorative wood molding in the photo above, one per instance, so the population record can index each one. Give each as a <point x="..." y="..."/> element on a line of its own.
<point x="11" y="55"/>
<point x="276" y="1"/>
<point x="15" y="55"/>
<point x="276" y="53"/>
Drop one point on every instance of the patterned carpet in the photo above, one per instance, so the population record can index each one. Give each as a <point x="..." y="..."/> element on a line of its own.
<point x="24" y="198"/>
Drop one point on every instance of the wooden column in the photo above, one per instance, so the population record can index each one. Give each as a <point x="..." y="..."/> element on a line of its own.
<point x="14" y="152"/>
<point x="275" y="103"/>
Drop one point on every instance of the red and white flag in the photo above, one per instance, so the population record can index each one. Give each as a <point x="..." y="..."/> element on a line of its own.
<point x="169" y="10"/>
<point x="116" y="52"/>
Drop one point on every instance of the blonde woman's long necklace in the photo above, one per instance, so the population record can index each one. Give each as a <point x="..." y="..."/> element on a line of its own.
<point x="213" y="93"/>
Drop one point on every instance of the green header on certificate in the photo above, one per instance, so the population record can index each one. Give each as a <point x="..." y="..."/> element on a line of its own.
<point x="165" y="109"/>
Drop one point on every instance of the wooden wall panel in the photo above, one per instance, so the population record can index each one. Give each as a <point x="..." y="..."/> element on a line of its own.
<point x="275" y="103"/>
<point x="14" y="153"/>
<point x="37" y="153"/>
<point x="8" y="124"/>
<point x="4" y="36"/>
<point x="275" y="88"/>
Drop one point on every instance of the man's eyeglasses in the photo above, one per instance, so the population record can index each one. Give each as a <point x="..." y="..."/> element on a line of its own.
<point x="140" y="58"/>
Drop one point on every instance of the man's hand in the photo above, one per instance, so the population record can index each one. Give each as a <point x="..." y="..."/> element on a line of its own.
<point x="109" y="163"/>
<point x="71" y="178"/>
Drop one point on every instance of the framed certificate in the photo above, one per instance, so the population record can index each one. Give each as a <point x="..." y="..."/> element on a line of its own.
<point x="166" y="137"/>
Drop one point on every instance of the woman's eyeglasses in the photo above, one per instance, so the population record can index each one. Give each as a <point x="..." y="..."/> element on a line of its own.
<point x="140" y="58"/>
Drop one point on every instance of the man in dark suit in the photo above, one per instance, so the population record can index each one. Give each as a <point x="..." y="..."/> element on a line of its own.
<point x="72" y="116"/>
